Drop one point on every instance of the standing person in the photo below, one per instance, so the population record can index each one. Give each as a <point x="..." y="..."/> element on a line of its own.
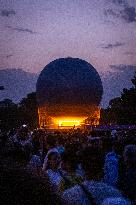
<point x="52" y="171"/>
<point x="60" y="144"/>
<point x="20" y="143"/>
<point x="51" y="147"/>
<point x="127" y="183"/>
<point x="113" y="133"/>
<point x="41" y="134"/>
<point x="92" y="190"/>
<point x="19" y="187"/>
<point x="35" y="163"/>
<point x="68" y="170"/>
<point x="111" y="163"/>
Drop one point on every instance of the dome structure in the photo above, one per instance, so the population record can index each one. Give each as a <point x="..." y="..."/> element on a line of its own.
<point x="68" y="87"/>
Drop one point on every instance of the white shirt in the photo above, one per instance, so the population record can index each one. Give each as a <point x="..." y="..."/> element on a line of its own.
<point x="54" y="178"/>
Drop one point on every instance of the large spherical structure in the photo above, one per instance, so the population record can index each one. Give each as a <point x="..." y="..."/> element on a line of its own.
<point x="68" y="87"/>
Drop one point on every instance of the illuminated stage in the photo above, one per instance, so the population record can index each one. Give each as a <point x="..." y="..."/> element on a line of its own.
<point x="49" y="120"/>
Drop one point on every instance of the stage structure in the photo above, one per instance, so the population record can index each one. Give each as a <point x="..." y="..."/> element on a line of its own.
<point x="69" y="91"/>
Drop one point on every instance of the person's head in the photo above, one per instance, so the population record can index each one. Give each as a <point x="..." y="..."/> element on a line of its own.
<point x="50" y="141"/>
<point x="68" y="161"/>
<point x="23" y="132"/>
<point x="107" y="144"/>
<point x="130" y="155"/>
<point x="53" y="161"/>
<point x="92" y="162"/>
<point x="60" y="140"/>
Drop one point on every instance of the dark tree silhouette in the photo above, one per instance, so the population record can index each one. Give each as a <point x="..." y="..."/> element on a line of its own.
<point x="121" y="110"/>
<point x="14" y="115"/>
<point x="8" y="114"/>
<point x="2" y="87"/>
<point x="29" y="110"/>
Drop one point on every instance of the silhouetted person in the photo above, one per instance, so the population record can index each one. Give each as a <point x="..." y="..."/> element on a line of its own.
<point x="128" y="181"/>
<point x="19" y="187"/>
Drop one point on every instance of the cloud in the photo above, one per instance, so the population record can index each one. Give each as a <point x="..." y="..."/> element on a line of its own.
<point x="128" y="53"/>
<point x="120" y="2"/>
<point x="20" y="29"/>
<point x="111" y="12"/>
<point x="123" y="11"/>
<point x="123" y="67"/>
<point x="110" y="46"/>
<point x="129" y="14"/>
<point x="115" y="81"/>
<point x="7" y="13"/>
<point x="8" y="56"/>
<point x="17" y="83"/>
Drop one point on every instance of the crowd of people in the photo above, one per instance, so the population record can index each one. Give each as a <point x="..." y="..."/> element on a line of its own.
<point x="71" y="167"/>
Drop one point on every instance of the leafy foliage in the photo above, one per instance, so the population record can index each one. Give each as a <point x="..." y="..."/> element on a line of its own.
<point x="121" y="110"/>
<point x="29" y="110"/>
<point x="13" y="115"/>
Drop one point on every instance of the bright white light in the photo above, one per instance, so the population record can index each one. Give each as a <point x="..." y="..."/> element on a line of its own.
<point x="69" y="123"/>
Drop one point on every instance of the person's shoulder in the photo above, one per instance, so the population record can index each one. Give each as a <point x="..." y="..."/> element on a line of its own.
<point x="74" y="196"/>
<point x="101" y="190"/>
<point x="101" y="185"/>
<point x="55" y="175"/>
<point x="116" y="201"/>
<point x="49" y="172"/>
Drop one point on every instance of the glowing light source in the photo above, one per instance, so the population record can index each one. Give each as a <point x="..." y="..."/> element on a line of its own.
<point x="66" y="122"/>
<point x="69" y="123"/>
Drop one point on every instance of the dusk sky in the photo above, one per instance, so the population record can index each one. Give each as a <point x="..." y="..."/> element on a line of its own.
<point x="35" y="32"/>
